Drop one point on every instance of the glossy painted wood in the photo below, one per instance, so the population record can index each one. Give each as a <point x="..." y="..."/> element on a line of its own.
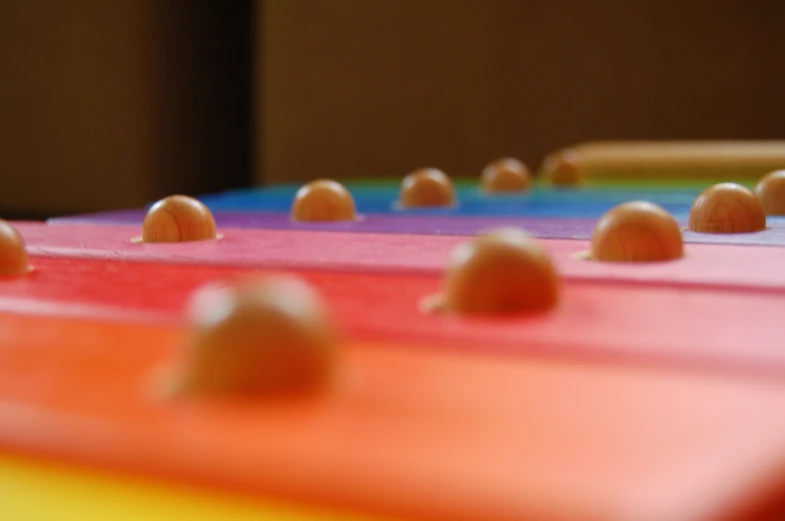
<point x="76" y="492"/>
<point x="704" y="265"/>
<point x="550" y="441"/>
<point x="723" y="330"/>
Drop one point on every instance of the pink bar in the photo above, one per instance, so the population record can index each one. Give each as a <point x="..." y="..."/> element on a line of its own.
<point x="727" y="266"/>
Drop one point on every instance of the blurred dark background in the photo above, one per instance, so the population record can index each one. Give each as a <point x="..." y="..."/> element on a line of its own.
<point x="108" y="105"/>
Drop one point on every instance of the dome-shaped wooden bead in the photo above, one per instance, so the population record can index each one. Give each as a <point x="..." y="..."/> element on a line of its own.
<point x="560" y="169"/>
<point x="427" y="187"/>
<point x="771" y="192"/>
<point x="637" y="231"/>
<point x="727" y="208"/>
<point x="323" y="200"/>
<point x="501" y="272"/>
<point x="506" y="176"/>
<point x="266" y="336"/>
<point x="178" y="218"/>
<point x="13" y="254"/>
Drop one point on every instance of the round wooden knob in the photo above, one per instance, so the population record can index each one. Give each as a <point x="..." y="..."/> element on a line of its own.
<point x="506" y="176"/>
<point x="561" y="169"/>
<point x="427" y="187"/>
<point x="323" y="200"/>
<point x="265" y="336"/>
<point x="178" y="218"/>
<point x="771" y="192"/>
<point x="500" y="272"/>
<point x="637" y="232"/>
<point x="727" y="208"/>
<point x="13" y="255"/>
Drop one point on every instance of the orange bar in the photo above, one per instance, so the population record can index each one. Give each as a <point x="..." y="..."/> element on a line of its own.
<point x="409" y="432"/>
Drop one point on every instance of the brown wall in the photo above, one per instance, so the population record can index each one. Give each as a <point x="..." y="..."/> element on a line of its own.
<point x="360" y="88"/>
<point x="112" y="104"/>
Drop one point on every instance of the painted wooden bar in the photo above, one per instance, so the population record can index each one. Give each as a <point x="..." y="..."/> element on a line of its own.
<point x="694" y="328"/>
<point x="413" y="433"/>
<point x="752" y="268"/>
<point x="580" y="228"/>
<point x="75" y="492"/>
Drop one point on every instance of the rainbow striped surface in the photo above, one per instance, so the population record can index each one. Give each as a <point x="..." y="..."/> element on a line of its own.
<point x="653" y="391"/>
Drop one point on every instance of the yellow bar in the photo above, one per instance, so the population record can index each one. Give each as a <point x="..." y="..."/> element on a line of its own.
<point x="724" y="160"/>
<point x="37" y="491"/>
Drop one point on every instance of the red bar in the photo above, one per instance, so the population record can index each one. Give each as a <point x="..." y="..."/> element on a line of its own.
<point x="649" y="324"/>
<point x="750" y="267"/>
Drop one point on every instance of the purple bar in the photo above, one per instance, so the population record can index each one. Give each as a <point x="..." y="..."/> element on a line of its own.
<point x="544" y="228"/>
<point x="553" y="228"/>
